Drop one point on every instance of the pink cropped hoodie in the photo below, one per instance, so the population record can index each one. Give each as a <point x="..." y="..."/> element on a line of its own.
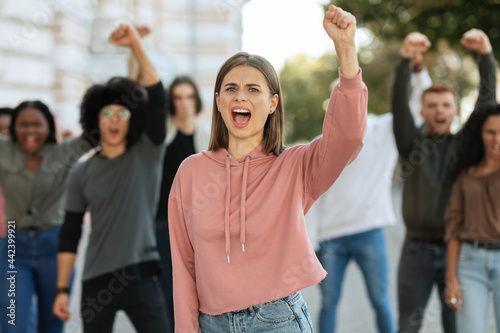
<point x="237" y="227"/>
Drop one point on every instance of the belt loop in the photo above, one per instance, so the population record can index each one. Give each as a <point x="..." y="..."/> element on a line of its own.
<point x="252" y="310"/>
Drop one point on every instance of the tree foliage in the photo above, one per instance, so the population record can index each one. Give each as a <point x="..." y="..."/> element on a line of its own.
<point x="306" y="82"/>
<point x="437" y="19"/>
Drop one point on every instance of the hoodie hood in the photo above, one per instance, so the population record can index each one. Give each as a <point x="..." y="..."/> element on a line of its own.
<point x="223" y="158"/>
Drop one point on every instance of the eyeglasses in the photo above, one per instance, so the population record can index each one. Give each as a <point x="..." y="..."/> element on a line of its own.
<point x="123" y="114"/>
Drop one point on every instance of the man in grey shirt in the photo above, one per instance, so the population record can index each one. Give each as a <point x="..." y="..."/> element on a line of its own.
<point x="119" y="185"/>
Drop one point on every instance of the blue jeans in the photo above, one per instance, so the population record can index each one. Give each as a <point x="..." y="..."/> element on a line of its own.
<point x="36" y="274"/>
<point x="286" y="315"/>
<point x="422" y="265"/>
<point x="479" y="275"/>
<point x="369" y="251"/>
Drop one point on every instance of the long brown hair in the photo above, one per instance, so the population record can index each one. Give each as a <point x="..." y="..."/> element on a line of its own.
<point x="183" y="80"/>
<point x="273" y="129"/>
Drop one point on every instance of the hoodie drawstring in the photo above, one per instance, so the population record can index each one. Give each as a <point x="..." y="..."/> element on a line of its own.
<point x="243" y="201"/>
<point x="244" y="184"/>
<point x="228" y="202"/>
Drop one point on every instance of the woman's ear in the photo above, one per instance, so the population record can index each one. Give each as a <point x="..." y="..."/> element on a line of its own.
<point x="274" y="103"/>
<point x="217" y="101"/>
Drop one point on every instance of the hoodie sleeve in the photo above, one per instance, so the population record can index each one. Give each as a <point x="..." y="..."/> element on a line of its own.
<point x="344" y="127"/>
<point x="186" y="305"/>
<point x="313" y="222"/>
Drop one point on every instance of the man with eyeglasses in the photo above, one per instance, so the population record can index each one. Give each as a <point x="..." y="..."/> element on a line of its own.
<point x="119" y="186"/>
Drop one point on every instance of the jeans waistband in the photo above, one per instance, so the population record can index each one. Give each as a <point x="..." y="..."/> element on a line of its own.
<point x="290" y="299"/>
<point x="484" y="244"/>
<point x="37" y="229"/>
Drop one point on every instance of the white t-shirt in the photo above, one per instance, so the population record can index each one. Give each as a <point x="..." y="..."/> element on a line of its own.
<point x="360" y="199"/>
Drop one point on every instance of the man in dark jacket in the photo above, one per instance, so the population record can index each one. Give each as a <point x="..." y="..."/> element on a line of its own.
<point x="424" y="155"/>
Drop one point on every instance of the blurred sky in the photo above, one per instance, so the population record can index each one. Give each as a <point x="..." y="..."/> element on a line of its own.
<point x="280" y="29"/>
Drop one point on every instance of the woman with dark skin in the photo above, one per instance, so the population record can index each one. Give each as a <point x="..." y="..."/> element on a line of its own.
<point x="33" y="172"/>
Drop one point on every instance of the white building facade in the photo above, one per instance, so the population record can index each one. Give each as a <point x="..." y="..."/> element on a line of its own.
<point x="52" y="50"/>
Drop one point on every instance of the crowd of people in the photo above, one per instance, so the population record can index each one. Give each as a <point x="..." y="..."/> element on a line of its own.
<point x="199" y="229"/>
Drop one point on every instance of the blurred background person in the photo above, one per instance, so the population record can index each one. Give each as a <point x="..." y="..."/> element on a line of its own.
<point x="33" y="173"/>
<point x="119" y="185"/>
<point x="187" y="134"/>
<point x="425" y="154"/>
<point x="346" y="222"/>
<point x="473" y="222"/>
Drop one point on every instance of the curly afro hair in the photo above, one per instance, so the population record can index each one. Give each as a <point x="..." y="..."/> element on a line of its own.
<point x="118" y="90"/>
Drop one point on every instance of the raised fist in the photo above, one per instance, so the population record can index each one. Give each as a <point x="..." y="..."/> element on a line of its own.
<point x="124" y="35"/>
<point x="414" y="44"/>
<point x="340" y="26"/>
<point x="476" y="40"/>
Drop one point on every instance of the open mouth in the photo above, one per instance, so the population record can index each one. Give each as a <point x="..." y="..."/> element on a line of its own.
<point x="113" y="131"/>
<point x="30" y="141"/>
<point x="241" y="117"/>
<point x="441" y="121"/>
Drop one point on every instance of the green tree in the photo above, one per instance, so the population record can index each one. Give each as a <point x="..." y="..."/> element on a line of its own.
<point x="437" y="19"/>
<point x="306" y="82"/>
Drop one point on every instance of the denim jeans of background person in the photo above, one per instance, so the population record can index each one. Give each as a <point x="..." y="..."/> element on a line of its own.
<point x="35" y="256"/>
<point x="368" y="250"/>
<point x="479" y="275"/>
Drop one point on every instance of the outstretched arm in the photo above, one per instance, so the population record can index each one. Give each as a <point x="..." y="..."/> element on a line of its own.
<point x="345" y="120"/>
<point x="477" y="40"/>
<point x="405" y="131"/>
<point x="127" y="35"/>
<point x="156" y="108"/>
<point x="132" y="65"/>
<point x="420" y="80"/>
<point x="341" y="28"/>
